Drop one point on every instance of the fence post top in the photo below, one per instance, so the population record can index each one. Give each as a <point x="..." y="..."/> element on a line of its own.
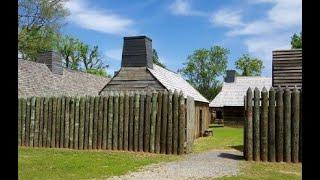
<point x="271" y="89"/>
<point x="264" y="89"/>
<point x="249" y="90"/>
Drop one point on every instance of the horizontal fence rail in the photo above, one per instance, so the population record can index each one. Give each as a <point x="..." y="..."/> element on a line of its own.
<point x="142" y="121"/>
<point x="273" y="130"/>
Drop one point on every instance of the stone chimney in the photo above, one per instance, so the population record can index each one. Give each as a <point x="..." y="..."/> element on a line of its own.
<point x="137" y="52"/>
<point x="231" y="74"/>
<point x="52" y="60"/>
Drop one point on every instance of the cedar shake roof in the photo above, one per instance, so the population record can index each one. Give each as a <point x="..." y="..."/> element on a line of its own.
<point x="173" y="81"/>
<point x="36" y="79"/>
<point x="232" y="94"/>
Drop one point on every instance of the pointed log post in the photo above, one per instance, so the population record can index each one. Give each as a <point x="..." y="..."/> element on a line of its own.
<point x="163" y="137"/>
<point x="136" y="121"/>
<point x="131" y="119"/>
<point x="53" y="122"/>
<point x="175" y="130"/>
<point x="287" y="125"/>
<point x="37" y="122"/>
<point x="256" y="125"/>
<point x="169" y="125"/>
<point x="105" y="122"/>
<point x="121" y="117"/>
<point x="86" y="123"/>
<point x="182" y="127"/>
<point x="32" y="120"/>
<point x="248" y="125"/>
<point x="110" y="120"/>
<point x="158" y="123"/>
<point x="76" y="123"/>
<point x="81" y="122"/>
<point x="295" y="124"/>
<point x="23" y="121"/>
<point x="272" y="127"/>
<point x="279" y="124"/>
<point x="146" y="144"/>
<point x="126" y="122"/>
<point x="58" y="122"/>
<point x="66" y="125"/>
<point x="100" y="123"/>
<point x="300" y="129"/>
<point x="264" y="125"/>
<point x="62" y="121"/>
<point x="141" y="120"/>
<point x="153" y="121"/>
<point x="90" y="127"/>
<point x="115" y="121"/>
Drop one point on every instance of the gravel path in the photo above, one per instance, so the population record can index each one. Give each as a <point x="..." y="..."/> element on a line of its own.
<point x="210" y="164"/>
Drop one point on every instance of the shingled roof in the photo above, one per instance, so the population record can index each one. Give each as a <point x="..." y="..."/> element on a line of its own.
<point x="232" y="94"/>
<point x="36" y="79"/>
<point x="173" y="81"/>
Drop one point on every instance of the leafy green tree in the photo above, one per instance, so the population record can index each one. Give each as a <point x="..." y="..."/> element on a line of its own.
<point x="296" y="41"/>
<point x="39" y="22"/>
<point x="156" y="60"/>
<point x="68" y="48"/>
<point x="204" y="67"/>
<point x="249" y="66"/>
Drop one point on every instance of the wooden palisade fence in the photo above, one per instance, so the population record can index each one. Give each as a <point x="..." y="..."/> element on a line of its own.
<point x="272" y="130"/>
<point x="154" y="122"/>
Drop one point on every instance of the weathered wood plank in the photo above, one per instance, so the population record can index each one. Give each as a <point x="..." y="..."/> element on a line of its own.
<point x="158" y="123"/>
<point x="126" y="122"/>
<point x="169" y="125"/>
<point x="146" y="143"/>
<point x="62" y="121"/>
<point x="100" y="123"/>
<point x="121" y="117"/>
<point x="279" y="124"/>
<point x="95" y="123"/>
<point x="164" y="114"/>
<point x="181" y="137"/>
<point x="45" y="121"/>
<point x="190" y="123"/>
<point x="32" y="120"/>
<point x="86" y="123"/>
<point x="175" y="130"/>
<point x="37" y="122"/>
<point x="295" y="125"/>
<point x="53" y="122"/>
<point x="249" y="125"/>
<point x="110" y="121"/>
<point x="71" y="122"/>
<point x="131" y="118"/>
<point x="90" y="127"/>
<point x="23" y="121"/>
<point x="287" y="125"/>
<point x="49" y="130"/>
<point x="136" y="121"/>
<point x="141" y="121"/>
<point x="153" y="121"/>
<point x="105" y="122"/>
<point x="256" y="125"/>
<point x="271" y="127"/>
<point x="58" y="122"/>
<point x="81" y="122"/>
<point x="264" y="125"/>
<point x="115" y="134"/>
<point x="76" y="124"/>
<point x="67" y="123"/>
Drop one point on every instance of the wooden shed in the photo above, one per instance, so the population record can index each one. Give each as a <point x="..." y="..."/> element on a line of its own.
<point x="138" y="72"/>
<point x="228" y="105"/>
<point x="287" y="68"/>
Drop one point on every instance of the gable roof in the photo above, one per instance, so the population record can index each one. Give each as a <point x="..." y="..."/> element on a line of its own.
<point x="36" y="79"/>
<point x="232" y="94"/>
<point x="173" y="81"/>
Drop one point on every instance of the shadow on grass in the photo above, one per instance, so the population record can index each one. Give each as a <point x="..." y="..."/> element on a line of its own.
<point x="238" y="147"/>
<point x="231" y="156"/>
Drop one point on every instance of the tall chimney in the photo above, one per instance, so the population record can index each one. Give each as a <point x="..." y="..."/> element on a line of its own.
<point x="52" y="60"/>
<point x="230" y="76"/>
<point x="137" y="52"/>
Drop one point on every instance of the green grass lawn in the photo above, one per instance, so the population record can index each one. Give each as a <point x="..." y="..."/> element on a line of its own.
<point x="41" y="163"/>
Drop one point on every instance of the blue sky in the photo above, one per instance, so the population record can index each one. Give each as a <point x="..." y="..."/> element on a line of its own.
<point x="178" y="27"/>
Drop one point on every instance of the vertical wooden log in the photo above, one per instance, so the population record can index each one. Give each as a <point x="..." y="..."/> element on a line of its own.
<point x="23" y="121"/>
<point x="153" y="121"/>
<point x="86" y="123"/>
<point x="249" y="126"/>
<point x="67" y="123"/>
<point x="300" y="129"/>
<point x="41" y="122"/>
<point x="19" y="120"/>
<point x="81" y="122"/>
<point x="115" y="122"/>
<point x="272" y="127"/>
<point x="264" y="125"/>
<point x="136" y="121"/>
<point x="90" y="127"/>
<point x="32" y="120"/>
<point x="126" y="122"/>
<point x="279" y="124"/>
<point x="27" y="134"/>
<point x="37" y="122"/>
<point x="95" y="122"/>
<point x="164" y="114"/>
<point x="49" y="130"/>
<point x="158" y="123"/>
<point x="169" y="125"/>
<point x="121" y="117"/>
<point x="146" y="143"/>
<point x="72" y="122"/>
<point x="100" y="123"/>
<point x="110" y="121"/>
<point x="62" y="119"/>
<point x="58" y="122"/>
<point x="182" y="126"/>
<point x="287" y="125"/>
<point x="256" y="125"/>
<point x="45" y="121"/>
<point x="295" y="124"/>
<point x="131" y="118"/>
<point x="175" y="130"/>
<point x="76" y="124"/>
<point x="190" y="123"/>
<point x="53" y="122"/>
<point x="105" y="122"/>
<point x="245" y="131"/>
<point x="141" y="121"/>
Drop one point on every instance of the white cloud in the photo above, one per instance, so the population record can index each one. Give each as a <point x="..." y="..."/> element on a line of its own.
<point x="98" y="20"/>
<point x="183" y="7"/>
<point x="115" y="54"/>
<point x="227" y="18"/>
